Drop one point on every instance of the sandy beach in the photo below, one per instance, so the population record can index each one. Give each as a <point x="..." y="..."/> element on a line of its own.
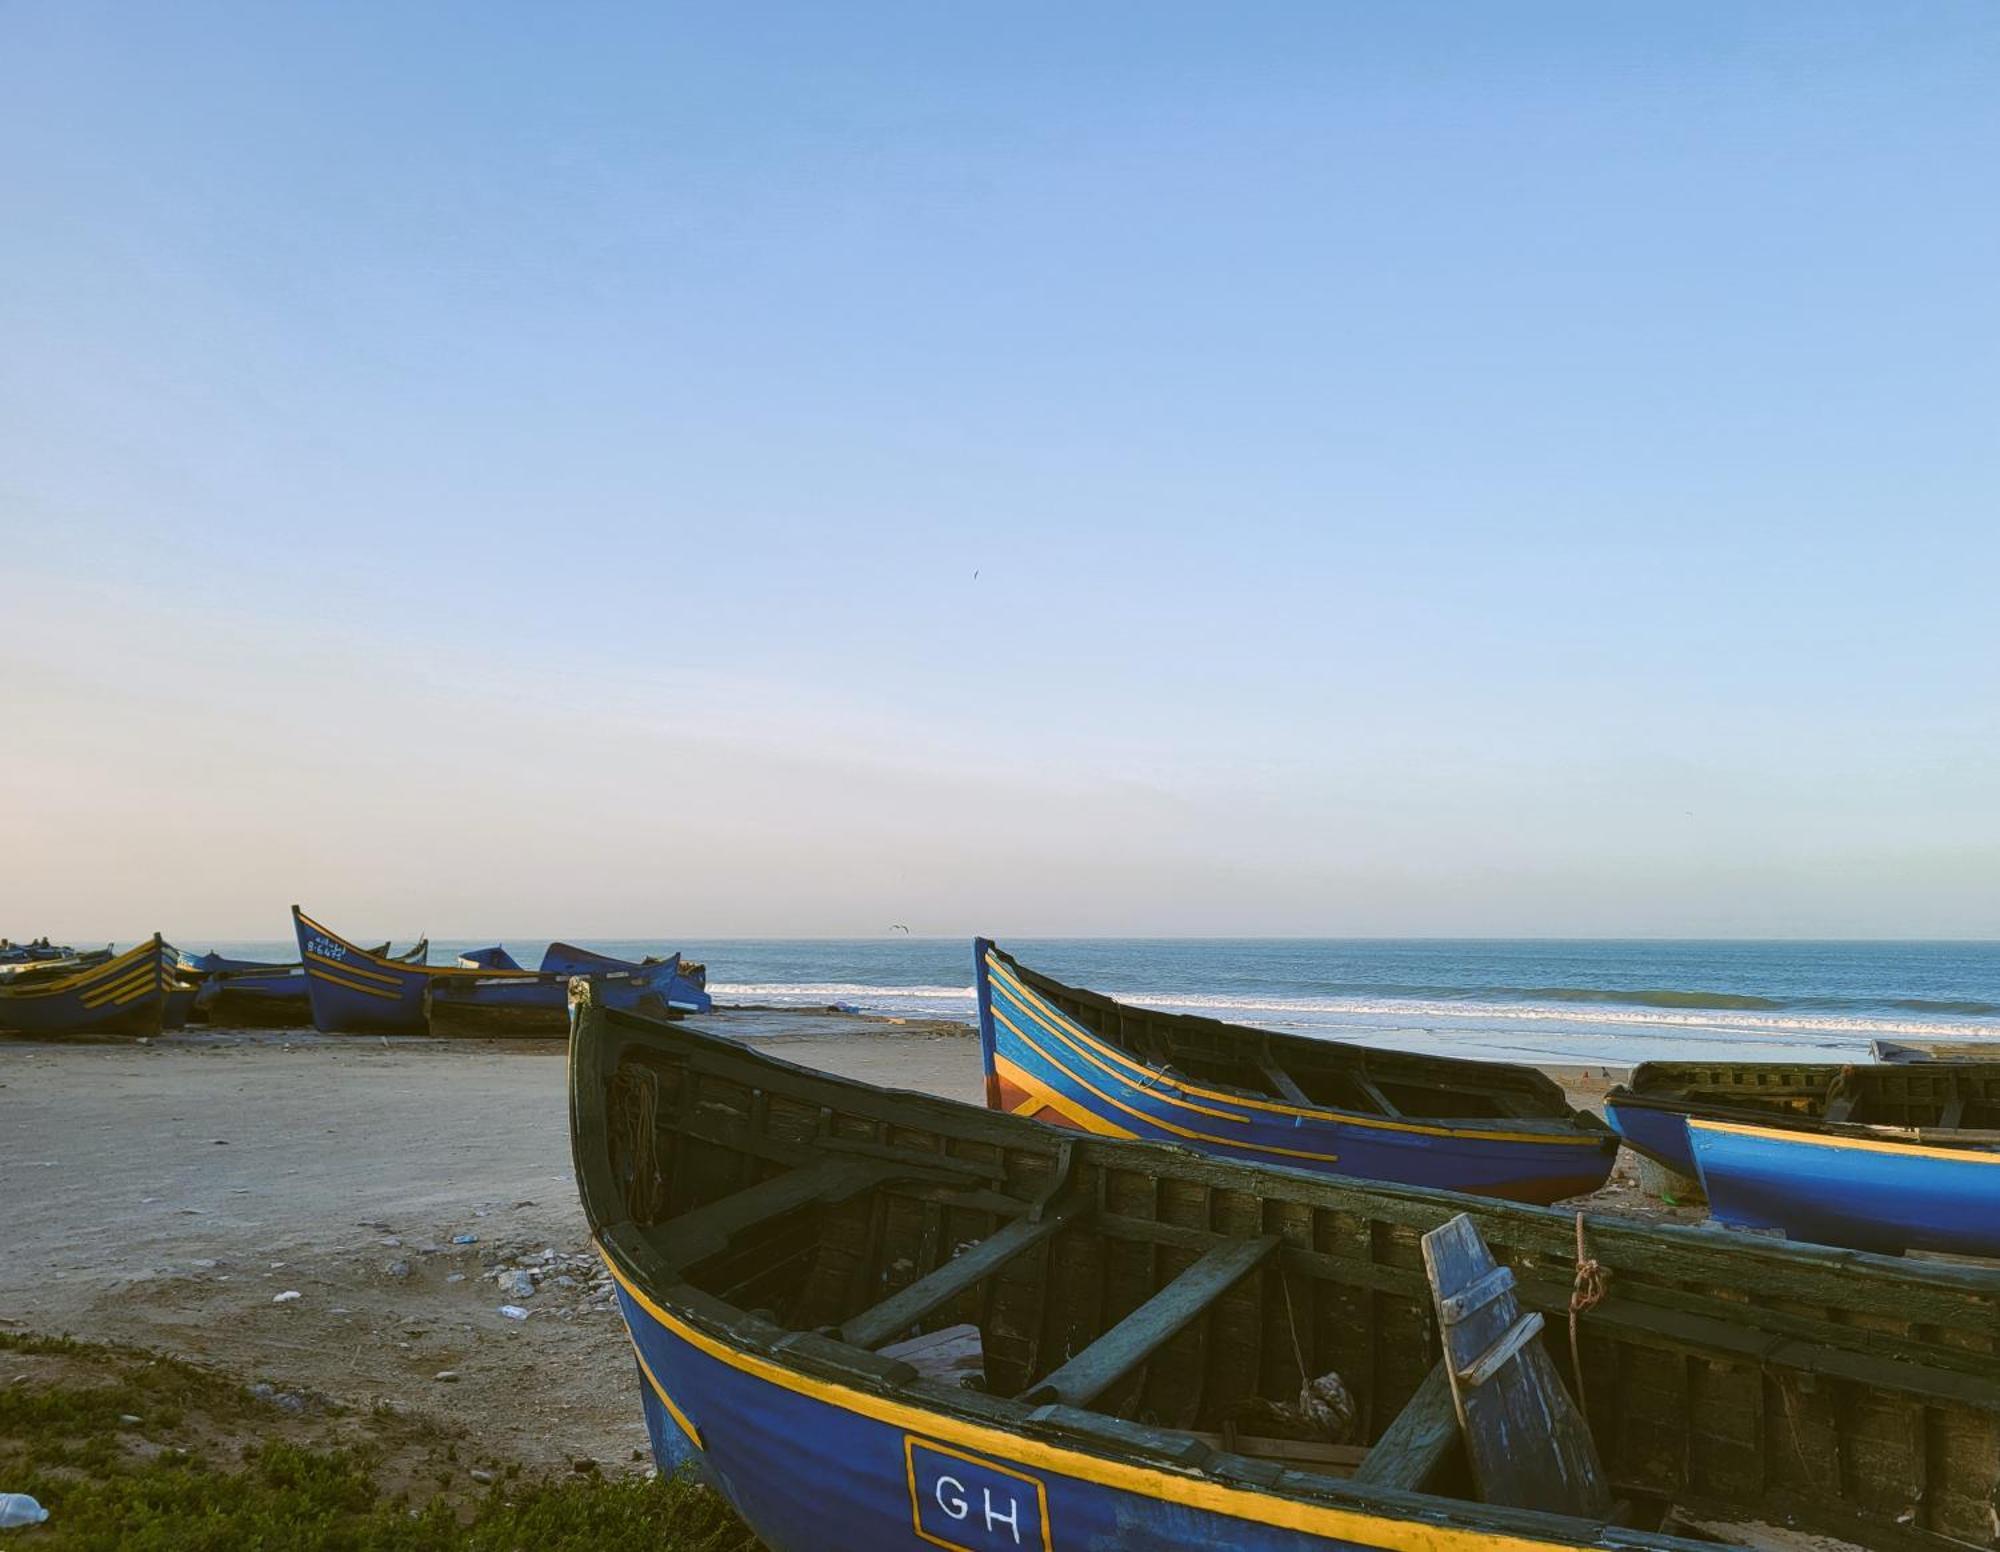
<point x="171" y="1195"/>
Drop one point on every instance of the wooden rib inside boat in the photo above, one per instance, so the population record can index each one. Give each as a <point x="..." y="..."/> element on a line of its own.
<point x="1141" y="1308"/>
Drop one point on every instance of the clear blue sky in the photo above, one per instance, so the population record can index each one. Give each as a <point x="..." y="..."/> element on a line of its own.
<point x="1427" y="468"/>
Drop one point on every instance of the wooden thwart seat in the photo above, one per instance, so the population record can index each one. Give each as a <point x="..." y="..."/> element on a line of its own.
<point x="1140" y="1334"/>
<point x="708" y="1229"/>
<point x="904" y="1308"/>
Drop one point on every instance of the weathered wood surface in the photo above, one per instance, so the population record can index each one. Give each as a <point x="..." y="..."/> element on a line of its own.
<point x="954" y="1356"/>
<point x="1140" y="1334"/>
<point x="1527" y="1444"/>
<point x="709" y="1229"/>
<point x="1424" y="1433"/>
<point x="908" y="1306"/>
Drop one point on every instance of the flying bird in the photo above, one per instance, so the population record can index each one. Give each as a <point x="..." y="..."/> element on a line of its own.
<point x="899" y="927"/>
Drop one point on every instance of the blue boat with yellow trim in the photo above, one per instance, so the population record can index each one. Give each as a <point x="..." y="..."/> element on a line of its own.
<point x="1078" y="1058"/>
<point x="505" y="999"/>
<point x="125" y="994"/>
<point x="1870" y="1190"/>
<point x="357" y="990"/>
<point x="260" y="994"/>
<point x="1947" y="1102"/>
<point x="1134" y="1327"/>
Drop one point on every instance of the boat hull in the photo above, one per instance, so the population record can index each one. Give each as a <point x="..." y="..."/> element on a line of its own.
<point x="815" y="1466"/>
<point x="124" y="995"/>
<point x="1862" y="1193"/>
<point x="1042" y="1064"/>
<point x="353" y="991"/>
<point x="1661" y="1135"/>
<point x="536" y="1006"/>
<point x="261" y="999"/>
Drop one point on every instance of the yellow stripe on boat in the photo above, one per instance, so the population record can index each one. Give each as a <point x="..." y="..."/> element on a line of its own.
<point x="1061" y="1104"/>
<point x="353" y="986"/>
<point x="144" y="982"/>
<point x="1168" y="1126"/>
<point x="1377" y="1529"/>
<point x="357" y="970"/>
<point x="1153" y="1080"/>
<point x="667" y="1401"/>
<point x="1967" y="1155"/>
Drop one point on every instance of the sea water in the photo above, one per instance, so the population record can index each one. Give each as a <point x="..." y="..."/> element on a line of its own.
<point x="1525" y="1000"/>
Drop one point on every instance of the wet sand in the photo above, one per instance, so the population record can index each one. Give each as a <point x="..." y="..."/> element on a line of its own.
<point x="169" y="1194"/>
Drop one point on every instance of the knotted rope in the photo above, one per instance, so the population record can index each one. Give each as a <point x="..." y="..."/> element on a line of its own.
<point x="1592" y="1279"/>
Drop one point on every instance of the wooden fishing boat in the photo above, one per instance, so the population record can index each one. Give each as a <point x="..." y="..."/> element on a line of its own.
<point x="1836" y="1188"/>
<point x="519" y="1002"/>
<point x="24" y="972"/>
<point x="125" y="994"/>
<point x="1932" y="1102"/>
<point x="355" y="990"/>
<point x="256" y="994"/>
<point x="40" y="951"/>
<point x="1073" y="1057"/>
<point x="813" y="1269"/>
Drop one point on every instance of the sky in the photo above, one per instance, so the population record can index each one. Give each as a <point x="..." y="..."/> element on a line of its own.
<point x="1432" y="469"/>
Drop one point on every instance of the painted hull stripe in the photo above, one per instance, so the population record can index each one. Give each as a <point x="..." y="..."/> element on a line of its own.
<point x="1154" y="1081"/>
<point x="361" y="972"/>
<point x="1369" y="1529"/>
<point x="354" y="986"/>
<point x="86" y="980"/>
<point x="667" y="1401"/>
<point x="1077" y="1115"/>
<point x="1160" y="1122"/>
<point x="1907" y="1150"/>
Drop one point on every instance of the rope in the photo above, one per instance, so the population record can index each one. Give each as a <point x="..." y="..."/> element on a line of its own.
<point x="1588" y="1292"/>
<point x="1291" y="1320"/>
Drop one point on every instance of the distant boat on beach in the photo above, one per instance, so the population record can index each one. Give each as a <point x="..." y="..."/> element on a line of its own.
<point x="866" y="1316"/>
<point x="120" y="994"/>
<point x="356" y="990"/>
<point x="1899" y="1156"/>
<point x="1077" y="1058"/>
<point x="258" y="994"/>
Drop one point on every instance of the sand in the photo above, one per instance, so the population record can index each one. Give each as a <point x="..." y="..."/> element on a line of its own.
<point x="167" y="1194"/>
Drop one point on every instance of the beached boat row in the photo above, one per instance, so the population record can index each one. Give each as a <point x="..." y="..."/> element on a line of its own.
<point x="876" y="1319"/>
<point x="336" y="986"/>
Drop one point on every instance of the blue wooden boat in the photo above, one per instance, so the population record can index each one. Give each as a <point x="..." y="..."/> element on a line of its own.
<point x="1128" y="1327"/>
<point x="1650" y="1109"/>
<point x="1076" y="1058"/>
<point x="1837" y="1188"/>
<point x="536" y="1004"/>
<point x="354" y="990"/>
<point x="125" y="994"/>
<point x="257" y="994"/>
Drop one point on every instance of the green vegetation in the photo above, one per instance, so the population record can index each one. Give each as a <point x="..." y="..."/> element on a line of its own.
<point x="148" y="1454"/>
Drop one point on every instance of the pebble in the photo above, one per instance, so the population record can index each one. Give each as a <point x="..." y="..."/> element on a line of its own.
<point x="286" y="1297"/>
<point x="478" y="1475"/>
<point x="517" y="1284"/>
<point x="391" y="1241"/>
<point x="446" y="1376"/>
<point x="465" y="1239"/>
<point x="128" y="1419"/>
<point x="397" y="1269"/>
<point x="456" y="1277"/>
<point x="513" y="1312"/>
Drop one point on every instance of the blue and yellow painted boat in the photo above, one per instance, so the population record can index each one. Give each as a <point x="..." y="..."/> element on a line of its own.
<point x="125" y="994"/>
<point x="507" y="1000"/>
<point x="1077" y="1058"/>
<point x="1944" y="1101"/>
<point x="354" y="990"/>
<point x="1842" y="1187"/>
<point x="259" y="994"/>
<point x="1132" y="1327"/>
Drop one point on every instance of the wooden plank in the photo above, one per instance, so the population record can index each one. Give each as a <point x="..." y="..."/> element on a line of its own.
<point x="1527" y="1444"/>
<point x="1342" y="1458"/>
<point x="709" y="1228"/>
<point x="1140" y="1334"/>
<point x="954" y="1356"/>
<point x="1375" y="1096"/>
<point x="1419" y="1439"/>
<point x="1282" y="1083"/>
<point x="906" y="1307"/>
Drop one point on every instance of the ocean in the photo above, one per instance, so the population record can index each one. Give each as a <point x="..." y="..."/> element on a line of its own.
<point x="1524" y="1000"/>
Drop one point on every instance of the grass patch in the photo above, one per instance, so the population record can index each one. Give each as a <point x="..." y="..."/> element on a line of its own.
<point x="140" y="1453"/>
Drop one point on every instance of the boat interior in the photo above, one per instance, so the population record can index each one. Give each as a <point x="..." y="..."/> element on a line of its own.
<point x="1297" y="1070"/>
<point x="1918" y="1097"/>
<point x="1274" y="1330"/>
